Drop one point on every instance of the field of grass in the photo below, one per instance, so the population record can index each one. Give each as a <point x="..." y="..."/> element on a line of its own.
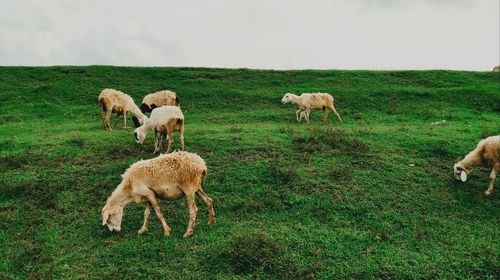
<point x="372" y="198"/>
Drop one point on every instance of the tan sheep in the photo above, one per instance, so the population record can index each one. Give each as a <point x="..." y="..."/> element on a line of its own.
<point x="164" y="121"/>
<point x="312" y="101"/>
<point x="487" y="154"/>
<point x="168" y="177"/>
<point x="113" y="101"/>
<point x="496" y="68"/>
<point x="158" y="99"/>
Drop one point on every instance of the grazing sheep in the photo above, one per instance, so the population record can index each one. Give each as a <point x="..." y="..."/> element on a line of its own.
<point x="312" y="101"/>
<point x="496" y="68"/>
<point x="164" y="121"/>
<point x="487" y="153"/>
<point x="113" y="101"/>
<point x="158" y="99"/>
<point x="167" y="176"/>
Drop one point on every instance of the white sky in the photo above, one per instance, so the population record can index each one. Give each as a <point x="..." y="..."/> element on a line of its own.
<point x="270" y="34"/>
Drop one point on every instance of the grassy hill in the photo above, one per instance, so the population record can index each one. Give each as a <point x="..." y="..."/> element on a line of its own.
<point x="372" y="198"/>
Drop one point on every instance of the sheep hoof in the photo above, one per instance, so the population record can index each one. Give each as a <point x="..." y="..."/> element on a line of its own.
<point x="142" y="231"/>
<point x="187" y="234"/>
<point x="211" y="222"/>
<point x="487" y="193"/>
<point x="167" y="232"/>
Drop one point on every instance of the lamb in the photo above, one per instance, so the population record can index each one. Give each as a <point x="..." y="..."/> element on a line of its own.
<point x="304" y="115"/>
<point x="308" y="101"/>
<point x="113" y="101"/>
<point x="164" y="120"/>
<point x="487" y="153"/>
<point x="158" y="99"/>
<point x="168" y="176"/>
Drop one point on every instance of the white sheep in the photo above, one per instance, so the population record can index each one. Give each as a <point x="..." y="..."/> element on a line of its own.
<point x="113" y="101"/>
<point x="164" y="121"/>
<point x="312" y="101"/>
<point x="487" y="153"/>
<point x="158" y="99"/>
<point x="168" y="176"/>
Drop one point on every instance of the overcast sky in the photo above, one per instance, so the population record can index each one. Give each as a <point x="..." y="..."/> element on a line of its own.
<point x="270" y="34"/>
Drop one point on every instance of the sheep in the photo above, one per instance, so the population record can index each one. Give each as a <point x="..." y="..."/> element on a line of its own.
<point x="304" y="115"/>
<point x="487" y="153"/>
<point x="164" y="120"/>
<point x="496" y="68"/>
<point x="308" y="101"/>
<point x="168" y="176"/>
<point x="158" y="99"/>
<point x="113" y="101"/>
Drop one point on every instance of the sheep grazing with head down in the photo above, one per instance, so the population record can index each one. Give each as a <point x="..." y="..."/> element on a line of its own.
<point x="113" y="101"/>
<point x="168" y="176"/>
<point x="487" y="153"/>
<point x="312" y="101"/>
<point x="158" y="99"/>
<point x="164" y="121"/>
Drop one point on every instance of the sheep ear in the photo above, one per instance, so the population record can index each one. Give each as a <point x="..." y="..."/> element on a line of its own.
<point x="105" y="217"/>
<point x="463" y="176"/>
<point x="136" y="121"/>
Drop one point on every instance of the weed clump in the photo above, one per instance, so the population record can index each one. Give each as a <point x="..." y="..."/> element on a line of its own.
<point x="284" y="173"/>
<point x="12" y="162"/>
<point x="257" y="253"/>
<point x="319" y="140"/>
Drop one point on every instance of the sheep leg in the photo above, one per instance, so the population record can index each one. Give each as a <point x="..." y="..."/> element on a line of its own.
<point x="181" y="138"/>
<point x="493" y="175"/>
<point x="297" y="114"/>
<point x="117" y="119"/>
<point x="325" y="114"/>
<point x="166" y="229"/>
<point x="104" y="123"/>
<point x="147" y="211"/>
<point x="107" y="119"/>
<point x="156" y="142"/>
<point x="160" y="143"/>
<point x="124" y="119"/>
<point x="336" y="114"/>
<point x="170" y="141"/>
<point x="192" y="214"/>
<point x="307" y="115"/>
<point x="209" y="203"/>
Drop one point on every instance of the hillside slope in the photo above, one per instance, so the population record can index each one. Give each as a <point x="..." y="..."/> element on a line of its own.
<point x="372" y="198"/>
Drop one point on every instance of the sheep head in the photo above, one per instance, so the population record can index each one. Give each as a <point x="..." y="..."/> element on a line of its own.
<point x="459" y="172"/>
<point x="286" y="98"/>
<point x="139" y="135"/>
<point x="112" y="217"/>
<point x="145" y="108"/>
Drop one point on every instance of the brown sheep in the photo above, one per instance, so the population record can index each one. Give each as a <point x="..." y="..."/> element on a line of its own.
<point x="113" y="101"/>
<point x="164" y="121"/>
<point x="158" y="99"/>
<point x="168" y="176"/>
<point x="487" y="153"/>
<point x="312" y="101"/>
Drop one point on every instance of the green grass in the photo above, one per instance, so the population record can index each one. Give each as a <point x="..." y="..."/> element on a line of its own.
<point x="372" y="198"/>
